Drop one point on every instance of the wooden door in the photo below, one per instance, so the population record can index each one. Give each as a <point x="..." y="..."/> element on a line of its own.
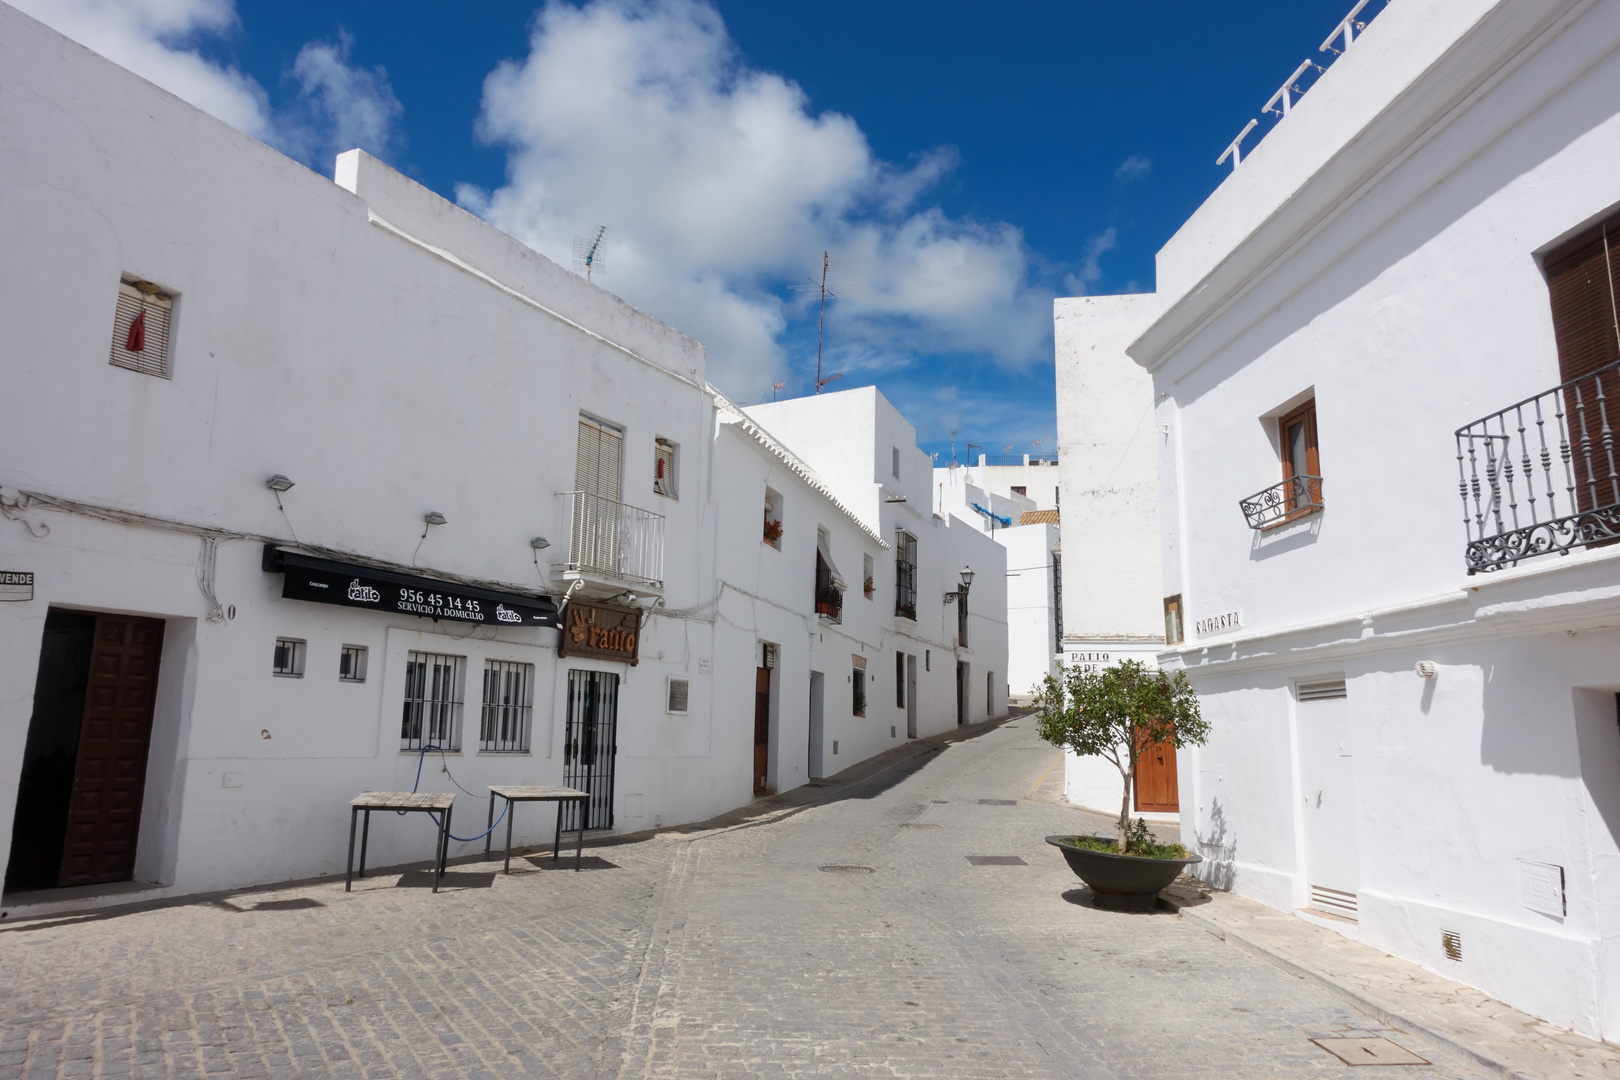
<point x="1584" y="287"/>
<point x="762" y="730"/>
<point x="109" y="776"/>
<point x="1156" y="779"/>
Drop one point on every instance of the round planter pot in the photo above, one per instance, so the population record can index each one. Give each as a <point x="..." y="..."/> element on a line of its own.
<point x="1121" y="882"/>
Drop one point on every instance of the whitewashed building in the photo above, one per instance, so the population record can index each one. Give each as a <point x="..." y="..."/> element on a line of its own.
<point x="313" y="488"/>
<point x="1383" y="365"/>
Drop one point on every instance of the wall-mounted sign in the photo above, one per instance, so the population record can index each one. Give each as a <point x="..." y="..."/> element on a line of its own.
<point x="16" y="585"/>
<point x="596" y="630"/>
<point x="350" y="585"/>
<point x="1219" y="624"/>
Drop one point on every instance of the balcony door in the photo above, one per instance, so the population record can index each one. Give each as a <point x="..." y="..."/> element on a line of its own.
<point x="598" y="487"/>
<point x="1583" y="282"/>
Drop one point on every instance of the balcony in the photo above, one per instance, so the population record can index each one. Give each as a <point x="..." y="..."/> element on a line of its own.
<point x="612" y="544"/>
<point x="1281" y="503"/>
<point x="1540" y="476"/>
<point x="829" y="597"/>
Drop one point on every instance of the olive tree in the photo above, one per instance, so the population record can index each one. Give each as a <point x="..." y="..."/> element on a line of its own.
<point x="1117" y="713"/>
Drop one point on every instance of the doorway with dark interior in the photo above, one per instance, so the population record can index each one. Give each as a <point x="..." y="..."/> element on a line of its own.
<point x="591" y="747"/>
<point x="84" y="762"/>
<point x="762" y="730"/>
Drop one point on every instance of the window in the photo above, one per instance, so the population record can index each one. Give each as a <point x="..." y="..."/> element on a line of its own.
<point x="829" y="598"/>
<point x="664" y="467"/>
<point x="773" y="519"/>
<point x="352" y="664"/>
<point x="905" y="575"/>
<point x="434" y="684"/>
<point x="1020" y="491"/>
<point x="289" y="660"/>
<point x="140" y="340"/>
<point x="928" y="660"/>
<point x="1301" y="469"/>
<point x="676" y="698"/>
<point x="599" y="467"/>
<point x="868" y="586"/>
<point x="1583" y="281"/>
<point x="508" y="695"/>
<point x="896" y="468"/>
<point x="858" y="705"/>
<point x="990" y="693"/>
<point x="900" y="681"/>
<point x="1173" y="634"/>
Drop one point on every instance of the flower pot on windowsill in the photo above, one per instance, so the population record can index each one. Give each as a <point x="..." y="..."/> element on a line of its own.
<point x="823" y="608"/>
<point x="1121" y="882"/>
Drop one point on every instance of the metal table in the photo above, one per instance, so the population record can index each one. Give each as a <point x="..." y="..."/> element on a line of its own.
<point x="515" y="794"/>
<point x="402" y="802"/>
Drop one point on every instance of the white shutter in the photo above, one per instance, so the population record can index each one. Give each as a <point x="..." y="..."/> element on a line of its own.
<point x="599" y="468"/>
<point x="154" y="359"/>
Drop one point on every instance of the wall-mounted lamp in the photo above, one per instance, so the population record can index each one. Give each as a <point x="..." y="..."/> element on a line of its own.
<point x="278" y="483"/>
<point x="433" y="517"/>
<point x="966" y="574"/>
<point x="539" y="543"/>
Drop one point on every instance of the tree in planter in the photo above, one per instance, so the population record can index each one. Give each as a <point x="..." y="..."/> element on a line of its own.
<point x="1117" y="713"/>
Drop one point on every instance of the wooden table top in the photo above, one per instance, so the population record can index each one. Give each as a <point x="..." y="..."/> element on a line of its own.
<point x="522" y="794"/>
<point x="402" y="800"/>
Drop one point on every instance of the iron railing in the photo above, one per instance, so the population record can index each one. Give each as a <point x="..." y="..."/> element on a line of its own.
<point x="613" y="538"/>
<point x="829" y="598"/>
<point x="1293" y="498"/>
<point x="1540" y="476"/>
<point x="508" y="692"/>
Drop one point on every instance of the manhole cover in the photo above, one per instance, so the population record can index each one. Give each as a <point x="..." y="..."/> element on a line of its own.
<point x="996" y="860"/>
<point x="1369" y="1052"/>
<point x="845" y="869"/>
<point x="919" y="825"/>
<point x="941" y="802"/>
<point x="998" y="802"/>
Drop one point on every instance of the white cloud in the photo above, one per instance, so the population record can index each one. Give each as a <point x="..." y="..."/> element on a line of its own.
<point x="1133" y="168"/>
<point x="336" y="107"/>
<point x="719" y="185"/>
<point x="1091" y="270"/>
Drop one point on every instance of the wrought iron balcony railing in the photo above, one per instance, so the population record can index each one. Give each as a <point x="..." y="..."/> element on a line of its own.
<point x="1539" y="476"/>
<point x="1279" y="503"/>
<point x="615" y="539"/>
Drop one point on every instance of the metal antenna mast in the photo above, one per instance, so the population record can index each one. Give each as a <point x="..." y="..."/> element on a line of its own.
<point x="824" y="290"/>
<point x="589" y="255"/>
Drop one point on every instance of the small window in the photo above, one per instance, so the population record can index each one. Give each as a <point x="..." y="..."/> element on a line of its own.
<point x="1173" y="633"/>
<point x="289" y="661"/>
<point x="900" y="681"/>
<point x="773" y="519"/>
<point x="140" y="340"/>
<point x="990" y="693"/>
<point x="896" y="468"/>
<point x="1057" y="496"/>
<point x="434" y="684"/>
<point x="352" y="664"/>
<point x="664" y="468"/>
<point x="508" y="696"/>
<point x="1020" y="491"/>
<point x="928" y="660"/>
<point x="868" y="586"/>
<point x="676" y="699"/>
<point x="859" y="704"/>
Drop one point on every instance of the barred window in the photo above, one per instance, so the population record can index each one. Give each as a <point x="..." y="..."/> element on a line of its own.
<point x="352" y="664"/>
<point x="140" y="340"/>
<point x="434" y="684"/>
<point x="508" y="697"/>
<point x="289" y="659"/>
<point x="664" y="467"/>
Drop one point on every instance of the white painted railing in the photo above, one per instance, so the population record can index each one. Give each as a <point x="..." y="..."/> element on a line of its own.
<point x="614" y="538"/>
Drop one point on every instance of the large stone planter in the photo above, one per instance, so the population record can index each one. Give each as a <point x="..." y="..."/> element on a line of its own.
<point x="1121" y="882"/>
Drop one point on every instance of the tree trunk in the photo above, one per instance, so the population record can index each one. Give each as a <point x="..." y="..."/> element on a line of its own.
<point x="1125" y="808"/>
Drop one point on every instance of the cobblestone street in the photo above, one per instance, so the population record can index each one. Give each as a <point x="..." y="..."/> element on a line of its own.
<point x="729" y="953"/>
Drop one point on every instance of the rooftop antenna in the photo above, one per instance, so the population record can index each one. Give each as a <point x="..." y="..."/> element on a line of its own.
<point x="775" y="386"/>
<point x="824" y="292"/>
<point x="953" y="448"/>
<point x="588" y="254"/>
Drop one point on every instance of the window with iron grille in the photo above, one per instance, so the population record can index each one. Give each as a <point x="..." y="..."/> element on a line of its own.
<point x="140" y="340"/>
<point x="905" y="575"/>
<point x="289" y="660"/>
<point x="508" y="697"/>
<point x="352" y="664"/>
<point x="434" y="684"/>
<point x="858" y="705"/>
<point x="664" y="467"/>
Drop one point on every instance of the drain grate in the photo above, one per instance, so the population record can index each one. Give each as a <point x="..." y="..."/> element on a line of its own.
<point x="998" y="802"/>
<point x="919" y="825"/>
<point x="1369" y="1052"/>
<point x="995" y="860"/>
<point x="836" y="869"/>
<point x="941" y="802"/>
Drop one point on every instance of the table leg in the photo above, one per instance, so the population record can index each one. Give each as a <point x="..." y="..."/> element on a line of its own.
<point x="348" y="871"/>
<point x="511" y="812"/>
<point x="365" y="834"/>
<point x="489" y="826"/>
<point x="444" y="845"/>
<point x="579" y="845"/>
<point x="556" y="840"/>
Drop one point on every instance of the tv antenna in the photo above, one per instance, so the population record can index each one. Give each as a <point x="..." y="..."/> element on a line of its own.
<point x="589" y="255"/>
<point x="775" y="386"/>
<point x="824" y="291"/>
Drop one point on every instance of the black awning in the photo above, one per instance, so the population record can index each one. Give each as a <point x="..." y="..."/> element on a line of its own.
<point x="351" y="585"/>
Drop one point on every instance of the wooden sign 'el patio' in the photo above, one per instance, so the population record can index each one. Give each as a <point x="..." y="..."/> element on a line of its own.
<point x="599" y="631"/>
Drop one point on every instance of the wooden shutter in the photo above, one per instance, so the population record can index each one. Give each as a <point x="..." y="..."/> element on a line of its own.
<point x="1581" y="284"/>
<point x="154" y="359"/>
<point x="599" y="467"/>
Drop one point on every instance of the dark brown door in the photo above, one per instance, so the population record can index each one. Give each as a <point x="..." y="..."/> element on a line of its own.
<point x="109" y="777"/>
<point x="1156" y="779"/>
<point x="762" y="730"/>
<point x="1585" y="292"/>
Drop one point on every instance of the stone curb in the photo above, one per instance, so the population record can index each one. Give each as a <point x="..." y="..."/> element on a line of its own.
<point x="1377" y="1008"/>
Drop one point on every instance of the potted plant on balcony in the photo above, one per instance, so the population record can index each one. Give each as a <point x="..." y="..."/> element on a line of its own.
<point x="1117" y="713"/>
<point x="907" y="611"/>
<point x="773" y="531"/>
<point x="868" y="588"/>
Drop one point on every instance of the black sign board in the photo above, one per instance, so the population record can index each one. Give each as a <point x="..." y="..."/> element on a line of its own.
<point x="349" y="585"/>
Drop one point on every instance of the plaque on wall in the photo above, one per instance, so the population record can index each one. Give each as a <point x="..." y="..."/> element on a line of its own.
<point x="601" y="632"/>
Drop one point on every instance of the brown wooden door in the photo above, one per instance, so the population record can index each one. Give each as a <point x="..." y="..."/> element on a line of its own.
<point x="109" y="777"/>
<point x="762" y="730"/>
<point x="1584" y="286"/>
<point x="1156" y="779"/>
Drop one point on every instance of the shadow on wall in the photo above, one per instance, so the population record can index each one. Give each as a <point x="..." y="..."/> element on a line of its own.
<point x="1598" y="743"/>
<point x="1219" y="849"/>
<point x="1523" y="727"/>
<point x="1289" y="537"/>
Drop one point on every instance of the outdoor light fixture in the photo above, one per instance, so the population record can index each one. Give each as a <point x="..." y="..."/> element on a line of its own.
<point x="1427" y="669"/>
<point x="539" y="543"/>
<point x="278" y="483"/>
<point x="433" y="517"/>
<point x="966" y="575"/>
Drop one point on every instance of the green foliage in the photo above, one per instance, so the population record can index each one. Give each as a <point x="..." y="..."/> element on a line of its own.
<point x="1138" y="842"/>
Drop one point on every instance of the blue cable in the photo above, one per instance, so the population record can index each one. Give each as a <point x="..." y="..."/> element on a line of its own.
<point x="453" y="836"/>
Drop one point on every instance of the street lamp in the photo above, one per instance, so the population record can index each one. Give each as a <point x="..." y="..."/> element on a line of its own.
<point x="961" y="591"/>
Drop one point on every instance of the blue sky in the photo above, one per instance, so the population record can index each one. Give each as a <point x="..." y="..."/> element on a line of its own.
<point x="963" y="163"/>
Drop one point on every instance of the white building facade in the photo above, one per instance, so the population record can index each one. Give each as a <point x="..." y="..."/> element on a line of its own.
<point x="1381" y="367"/>
<point x="316" y="488"/>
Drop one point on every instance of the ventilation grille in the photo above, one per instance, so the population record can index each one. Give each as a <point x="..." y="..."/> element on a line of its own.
<point x="1334" y="901"/>
<point x="154" y="358"/>
<point x="1320" y="691"/>
<point x="676" y="701"/>
<point x="1451" y="944"/>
